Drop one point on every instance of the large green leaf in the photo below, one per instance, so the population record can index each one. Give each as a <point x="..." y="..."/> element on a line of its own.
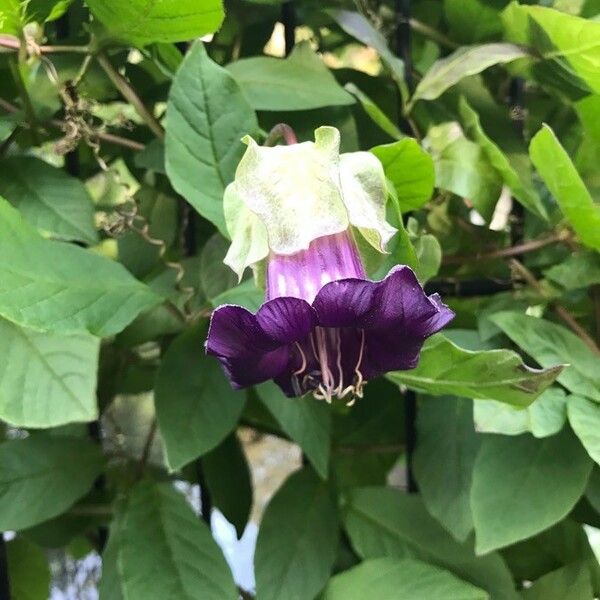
<point x="550" y="344"/>
<point x="377" y="115"/>
<point x="472" y="21"/>
<point x="443" y="461"/>
<point x="382" y="521"/>
<point x="207" y="116"/>
<point x="46" y="475"/>
<point x="445" y="368"/>
<point x="228" y="478"/>
<point x="166" y="551"/>
<point x="300" y="82"/>
<point x="410" y="170"/>
<point x="556" y="169"/>
<point x="564" y="41"/>
<point x="15" y="14"/>
<point x="580" y="270"/>
<point x="297" y="540"/>
<point x="463" y="62"/>
<point x="146" y="21"/>
<point x="461" y="167"/>
<point x="545" y="416"/>
<point x="195" y="404"/>
<point x="28" y="571"/>
<point x="359" y="27"/>
<point x="47" y="379"/>
<point x="305" y="420"/>
<point x="401" y="579"/>
<point x="60" y="287"/>
<point x="584" y="417"/>
<point x="109" y="586"/>
<point x="515" y="492"/>
<point x="523" y="191"/>
<point x="571" y="582"/>
<point x="48" y="198"/>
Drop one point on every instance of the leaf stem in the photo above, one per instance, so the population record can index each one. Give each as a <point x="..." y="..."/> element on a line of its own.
<point x="281" y="131"/>
<point x="130" y="95"/>
<point x="25" y="98"/>
<point x="147" y="447"/>
<point x="506" y="252"/>
<point x="432" y="34"/>
<point x="559" y="309"/>
<point x="12" y="43"/>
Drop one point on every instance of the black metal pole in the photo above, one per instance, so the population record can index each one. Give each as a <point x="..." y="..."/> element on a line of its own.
<point x="402" y="39"/>
<point x="288" y="18"/>
<point x="4" y="578"/>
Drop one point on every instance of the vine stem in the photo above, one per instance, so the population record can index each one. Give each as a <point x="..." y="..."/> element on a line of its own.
<point x="12" y="43"/>
<point x="130" y="95"/>
<point x="432" y="34"/>
<point x="559" y="309"/>
<point x="102" y="135"/>
<point x="146" y="450"/>
<point x="281" y="131"/>
<point x="506" y="252"/>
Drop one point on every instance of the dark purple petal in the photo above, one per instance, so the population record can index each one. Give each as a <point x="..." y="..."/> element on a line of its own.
<point x="286" y="320"/>
<point x="395" y="313"/>
<point x="397" y="302"/>
<point x="235" y="331"/>
<point x="255" y="348"/>
<point x="255" y="367"/>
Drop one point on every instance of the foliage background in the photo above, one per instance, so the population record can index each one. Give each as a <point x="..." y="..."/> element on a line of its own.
<point x="118" y="135"/>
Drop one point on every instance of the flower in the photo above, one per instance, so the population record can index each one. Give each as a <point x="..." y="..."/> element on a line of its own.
<point x="324" y="327"/>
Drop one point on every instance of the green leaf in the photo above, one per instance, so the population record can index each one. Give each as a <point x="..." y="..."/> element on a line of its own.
<point x="245" y="294"/>
<point x="376" y="422"/>
<point x="306" y="420"/>
<point x="472" y="21"/>
<point x="584" y="417"/>
<point x="528" y="499"/>
<point x="15" y="14"/>
<point x="545" y="416"/>
<point x="410" y="170"/>
<point x="109" y="586"/>
<point x="48" y="198"/>
<point x="47" y="379"/>
<point x="146" y="21"/>
<point x="300" y="82"/>
<point x="60" y="287"/>
<point x="382" y="521"/>
<point x="230" y="493"/>
<point x="359" y="27"/>
<point x="580" y="270"/>
<point x="45" y="474"/>
<point x="207" y="115"/>
<point x="468" y="60"/>
<point x="461" y="167"/>
<point x="445" y="368"/>
<point x="215" y="277"/>
<point x="443" y="461"/>
<point x="405" y="579"/>
<point x="377" y="115"/>
<point x="550" y="344"/>
<point x="195" y="404"/>
<point x="297" y="540"/>
<point x="28" y="571"/>
<point x="564" y="41"/>
<point x="521" y="190"/>
<point x="184" y="562"/>
<point x="571" y="582"/>
<point x="556" y="169"/>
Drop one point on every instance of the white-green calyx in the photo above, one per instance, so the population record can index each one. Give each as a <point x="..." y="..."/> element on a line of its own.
<point x="283" y="197"/>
